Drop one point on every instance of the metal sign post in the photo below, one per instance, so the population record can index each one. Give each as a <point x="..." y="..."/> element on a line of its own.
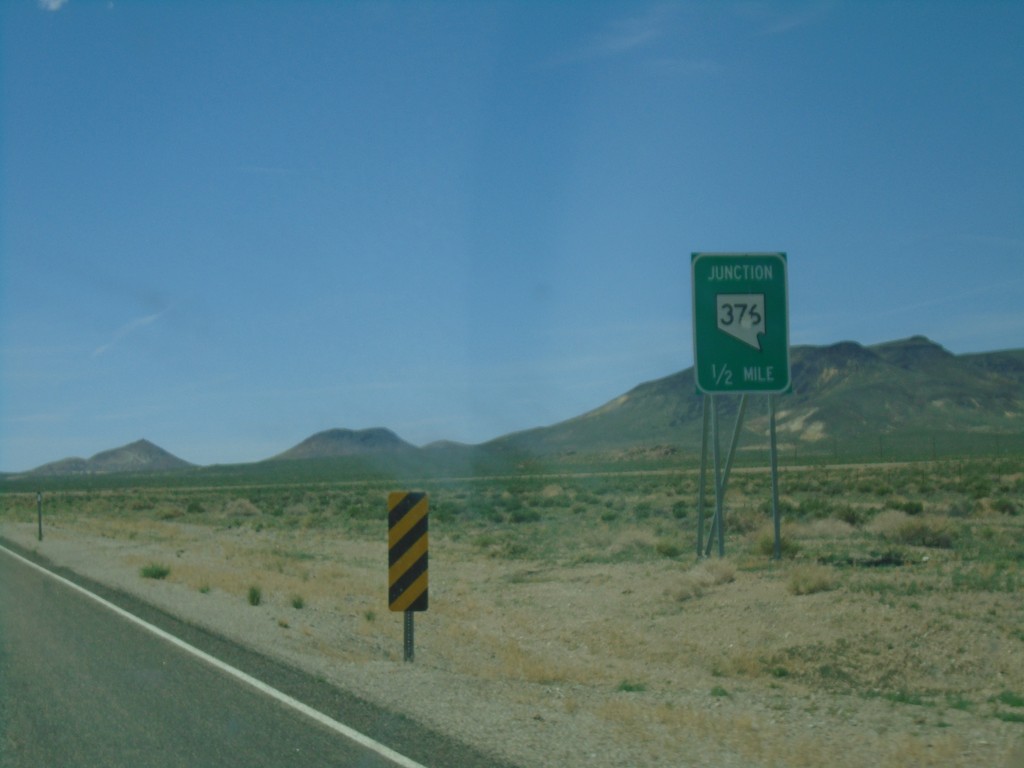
<point x="740" y="346"/>
<point x="39" y="512"/>
<point x="701" y="484"/>
<point x="776" y="521"/>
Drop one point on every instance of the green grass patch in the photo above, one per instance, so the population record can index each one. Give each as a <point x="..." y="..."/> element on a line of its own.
<point x="1010" y="717"/>
<point x="1010" y="699"/>
<point x="630" y="687"/>
<point x="905" y="697"/>
<point x="957" y="701"/>
<point x="155" y="571"/>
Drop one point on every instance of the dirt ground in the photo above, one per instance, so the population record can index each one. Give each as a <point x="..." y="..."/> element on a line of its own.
<point x="659" y="663"/>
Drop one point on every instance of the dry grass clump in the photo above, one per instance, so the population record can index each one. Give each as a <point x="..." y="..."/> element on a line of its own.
<point x="241" y="508"/>
<point x="809" y="578"/>
<point x="917" y="530"/>
<point x="707" y="574"/>
<point x="828" y="528"/>
<point x="887" y="523"/>
<point x="765" y="544"/>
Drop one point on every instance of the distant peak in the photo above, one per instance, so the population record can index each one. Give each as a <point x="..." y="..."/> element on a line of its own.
<point x="912" y="351"/>
<point x="140" y="456"/>
<point x="345" y="442"/>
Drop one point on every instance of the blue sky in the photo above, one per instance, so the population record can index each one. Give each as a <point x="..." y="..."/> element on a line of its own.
<point x="226" y="226"/>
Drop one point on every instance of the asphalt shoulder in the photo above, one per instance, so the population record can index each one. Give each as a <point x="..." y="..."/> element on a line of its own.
<point x="398" y="731"/>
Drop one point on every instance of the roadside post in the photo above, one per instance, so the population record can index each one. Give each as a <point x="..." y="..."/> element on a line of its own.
<point x="740" y="347"/>
<point x="408" y="516"/>
<point x="39" y="512"/>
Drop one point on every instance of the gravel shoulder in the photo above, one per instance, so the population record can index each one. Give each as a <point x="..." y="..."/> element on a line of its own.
<point x="600" y="664"/>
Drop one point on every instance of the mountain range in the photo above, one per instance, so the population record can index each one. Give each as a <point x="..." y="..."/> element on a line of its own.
<point x="842" y="393"/>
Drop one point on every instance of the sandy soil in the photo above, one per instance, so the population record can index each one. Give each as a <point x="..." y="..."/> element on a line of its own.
<point x="622" y="664"/>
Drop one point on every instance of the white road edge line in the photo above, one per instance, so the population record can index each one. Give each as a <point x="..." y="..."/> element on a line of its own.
<point x="259" y="685"/>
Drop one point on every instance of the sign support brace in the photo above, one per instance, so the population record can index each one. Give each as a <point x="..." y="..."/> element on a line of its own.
<point x="710" y="406"/>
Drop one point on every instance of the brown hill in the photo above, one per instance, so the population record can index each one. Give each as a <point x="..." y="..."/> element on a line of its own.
<point x="140" y="456"/>
<point x="346" y="442"/>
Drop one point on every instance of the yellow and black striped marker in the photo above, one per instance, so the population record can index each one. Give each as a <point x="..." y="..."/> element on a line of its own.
<point x="407" y="551"/>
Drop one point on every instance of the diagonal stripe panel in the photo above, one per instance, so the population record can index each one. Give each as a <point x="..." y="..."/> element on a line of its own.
<point x="414" y="598"/>
<point x="399" y="547"/>
<point x="408" y="559"/>
<point x="404" y="514"/>
<point x="406" y="580"/>
<point x="407" y="551"/>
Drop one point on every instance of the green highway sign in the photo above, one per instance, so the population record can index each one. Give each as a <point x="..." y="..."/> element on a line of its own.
<point x="740" y="322"/>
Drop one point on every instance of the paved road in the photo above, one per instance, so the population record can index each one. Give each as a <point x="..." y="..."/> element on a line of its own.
<point x="82" y="686"/>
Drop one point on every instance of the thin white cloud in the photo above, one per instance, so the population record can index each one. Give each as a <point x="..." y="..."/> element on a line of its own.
<point x="797" y="19"/>
<point x="625" y="36"/>
<point x="635" y="32"/>
<point x="52" y="5"/>
<point x="126" y="330"/>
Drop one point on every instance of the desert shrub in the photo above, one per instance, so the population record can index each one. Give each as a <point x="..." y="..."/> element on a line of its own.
<point x="1005" y="506"/>
<point x="813" y="507"/>
<point x="854" y="516"/>
<point x="1011" y="699"/>
<point x="885" y="523"/>
<point x="987" y="578"/>
<point x="628" y="686"/>
<point x="910" y="507"/>
<point x="165" y="511"/>
<point x="810" y="578"/>
<point x="926" y="532"/>
<point x="195" y="508"/>
<point x="961" y="508"/>
<point x="766" y="545"/>
<point x="668" y="548"/>
<point x="707" y="574"/>
<point x="155" y="571"/>
<point x="719" y="571"/>
<point x="642" y="510"/>
<point x="140" y="504"/>
<point x="241" y="508"/>
<point x="363" y="510"/>
<point x="255" y="595"/>
<point x="829" y="528"/>
<point x="524" y="515"/>
<point x="745" y="521"/>
<point x="977" y="488"/>
<point x="786" y="507"/>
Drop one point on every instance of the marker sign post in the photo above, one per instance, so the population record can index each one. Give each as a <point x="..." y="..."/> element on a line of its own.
<point x="740" y="323"/>
<point x="408" y="516"/>
<point x="740" y="346"/>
